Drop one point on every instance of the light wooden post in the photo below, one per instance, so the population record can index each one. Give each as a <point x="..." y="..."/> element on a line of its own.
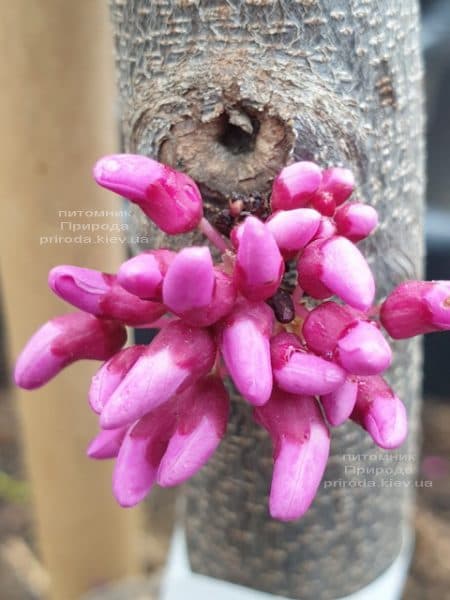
<point x="56" y="118"/>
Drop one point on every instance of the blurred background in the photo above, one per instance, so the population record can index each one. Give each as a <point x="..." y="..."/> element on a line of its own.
<point x="70" y="82"/>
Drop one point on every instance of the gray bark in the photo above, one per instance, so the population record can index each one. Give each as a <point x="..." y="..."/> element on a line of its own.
<point x="230" y="91"/>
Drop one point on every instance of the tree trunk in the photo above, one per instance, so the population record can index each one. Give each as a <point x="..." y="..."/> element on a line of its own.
<point x="230" y="92"/>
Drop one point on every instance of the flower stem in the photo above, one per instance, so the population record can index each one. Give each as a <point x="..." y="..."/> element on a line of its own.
<point x="213" y="235"/>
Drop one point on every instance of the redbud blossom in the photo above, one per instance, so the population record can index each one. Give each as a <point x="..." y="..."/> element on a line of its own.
<point x="169" y="198"/>
<point x="259" y="265"/>
<point x="189" y="281"/>
<point x="416" y="307"/>
<point x="295" y="186"/>
<point x="244" y="343"/>
<point x="336" y="266"/>
<point x="202" y="415"/>
<point x="326" y="229"/>
<point x="339" y="405"/>
<point x="100" y="294"/>
<point x="106" y="444"/>
<point x="110" y="375"/>
<point x="339" y="333"/>
<point x="339" y="183"/>
<point x="299" y="372"/>
<point x="293" y="229"/>
<point x="222" y="302"/>
<point x="301" y="443"/>
<point x="143" y="274"/>
<point x="356" y="220"/>
<point x="380" y="412"/>
<point x="140" y="454"/>
<point x="64" y="340"/>
<point x="176" y="357"/>
<point x="324" y="203"/>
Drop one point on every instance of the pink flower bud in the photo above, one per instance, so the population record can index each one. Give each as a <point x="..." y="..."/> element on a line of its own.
<point x="380" y="412"/>
<point x="100" y="294"/>
<point x="169" y="198"/>
<point x="339" y="405"/>
<point x="293" y="229"/>
<point x="301" y="443"/>
<point x="356" y="220"/>
<point x="140" y="454"/>
<point x="202" y="415"/>
<point x="62" y="341"/>
<point x="416" y="307"/>
<point x="110" y="375"/>
<point x="324" y="203"/>
<point x="106" y="444"/>
<point x="189" y="281"/>
<point x="341" y="334"/>
<point x="327" y="229"/>
<point x="222" y="302"/>
<point x="143" y="274"/>
<point x="299" y="372"/>
<point x="362" y="350"/>
<point x="336" y="266"/>
<point x="244" y="344"/>
<point x="339" y="183"/>
<point x="325" y="325"/>
<point x="295" y="186"/>
<point x="177" y="357"/>
<point x="259" y="265"/>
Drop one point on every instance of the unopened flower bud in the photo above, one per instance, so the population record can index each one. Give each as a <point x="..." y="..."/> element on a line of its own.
<point x="189" y="281"/>
<point x="297" y="371"/>
<point x="106" y="444"/>
<point x="336" y="266"/>
<point x="140" y="454"/>
<point x="259" y="265"/>
<point x="169" y="198"/>
<point x="301" y="443"/>
<point x="143" y="274"/>
<point x="295" y="186"/>
<point x="293" y="229"/>
<point x="244" y="343"/>
<point x="222" y="302"/>
<point x="416" y="307"/>
<point x="111" y="374"/>
<point x="339" y="333"/>
<point x="100" y="294"/>
<point x="339" y="405"/>
<point x="64" y="340"/>
<point x="202" y="415"/>
<point x="380" y="412"/>
<point x="356" y="220"/>
<point x="339" y="183"/>
<point x="176" y="357"/>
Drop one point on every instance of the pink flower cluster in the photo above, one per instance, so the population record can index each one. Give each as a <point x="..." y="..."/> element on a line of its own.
<point x="287" y="313"/>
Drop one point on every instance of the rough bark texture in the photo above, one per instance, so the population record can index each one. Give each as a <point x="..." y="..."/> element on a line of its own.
<point x="229" y="91"/>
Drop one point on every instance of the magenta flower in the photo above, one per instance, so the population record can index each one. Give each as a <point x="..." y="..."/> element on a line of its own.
<point x="256" y="315"/>
<point x="64" y="340"/>
<point x="417" y="307"/>
<point x="143" y="275"/>
<point x="356" y="220"/>
<point x="301" y="445"/>
<point x="100" y="294"/>
<point x="298" y="371"/>
<point x="380" y="412"/>
<point x="335" y="266"/>
<point x="244" y="342"/>
<point x="169" y="198"/>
